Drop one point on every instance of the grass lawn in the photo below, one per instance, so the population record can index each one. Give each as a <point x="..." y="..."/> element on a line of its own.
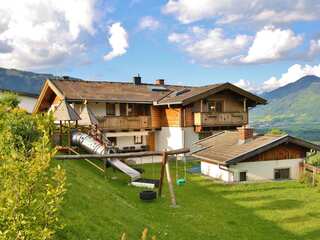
<point x="96" y="208"/>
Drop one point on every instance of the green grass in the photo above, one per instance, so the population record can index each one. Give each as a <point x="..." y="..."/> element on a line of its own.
<point x="96" y="208"/>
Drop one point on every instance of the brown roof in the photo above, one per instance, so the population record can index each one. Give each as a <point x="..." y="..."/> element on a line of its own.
<point x="224" y="147"/>
<point x="64" y="112"/>
<point x="144" y="93"/>
<point x="112" y="91"/>
<point x="189" y="95"/>
<point x="182" y="94"/>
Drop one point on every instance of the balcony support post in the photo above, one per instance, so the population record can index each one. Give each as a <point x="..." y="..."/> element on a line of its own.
<point x="245" y="104"/>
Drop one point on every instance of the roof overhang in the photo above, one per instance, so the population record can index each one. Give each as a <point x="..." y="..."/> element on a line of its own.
<point x="222" y="87"/>
<point x="284" y="139"/>
<point x="216" y="89"/>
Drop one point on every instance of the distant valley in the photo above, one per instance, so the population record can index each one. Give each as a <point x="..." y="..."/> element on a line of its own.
<point x="294" y="108"/>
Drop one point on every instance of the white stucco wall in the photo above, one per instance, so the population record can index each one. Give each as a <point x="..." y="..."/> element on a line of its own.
<point x="27" y="103"/>
<point x="256" y="171"/>
<point x="264" y="170"/>
<point x="190" y="137"/>
<point x="213" y="170"/>
<point x="169" y="138"/>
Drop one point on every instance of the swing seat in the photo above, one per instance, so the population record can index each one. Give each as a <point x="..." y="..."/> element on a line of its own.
<point x="181" y="181"/>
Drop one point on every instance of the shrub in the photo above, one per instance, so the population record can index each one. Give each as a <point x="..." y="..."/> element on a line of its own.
<point x="9" y="99"/>
<point x="315" y="160"/>
<point x="31" y="189"/>
<point x="276" y="131"/>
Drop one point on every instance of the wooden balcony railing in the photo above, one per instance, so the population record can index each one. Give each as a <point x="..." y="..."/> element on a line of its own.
<point x="115" y="123"/>
<point x="206" y="119"/>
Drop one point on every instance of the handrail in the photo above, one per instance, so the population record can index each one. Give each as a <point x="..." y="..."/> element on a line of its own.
<point x="121" y="155"/>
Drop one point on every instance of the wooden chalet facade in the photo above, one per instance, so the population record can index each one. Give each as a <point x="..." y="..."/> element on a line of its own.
<point x="152" y="116"/>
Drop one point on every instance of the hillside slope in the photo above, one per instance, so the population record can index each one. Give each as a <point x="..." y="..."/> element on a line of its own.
<point x="295" y="103"/>
<point x="22" y="81"/>
<point x="98" y="208"/>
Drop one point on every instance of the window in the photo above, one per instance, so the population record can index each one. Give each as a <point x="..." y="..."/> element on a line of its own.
<point x="110" y="109"/>
<point x="281" y="174"/>
<point x="138" y="139"/>
<point x="243" y="176"/>
<point x="123" y="109"/>
<point x="215" y="106"/>
<point x="113" y="140"/>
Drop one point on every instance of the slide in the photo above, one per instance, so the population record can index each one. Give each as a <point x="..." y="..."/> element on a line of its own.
<point x="91" y="145"/>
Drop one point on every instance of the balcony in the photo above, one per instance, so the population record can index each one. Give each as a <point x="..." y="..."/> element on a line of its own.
<point x="125" y="123"/>
<point x="206" y="119"/>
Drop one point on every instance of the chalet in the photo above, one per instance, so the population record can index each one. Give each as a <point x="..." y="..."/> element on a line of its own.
<point x="139" y="116"/>
<point x="235" y="156"/>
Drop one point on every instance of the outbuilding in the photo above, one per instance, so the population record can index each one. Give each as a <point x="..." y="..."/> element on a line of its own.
<point x="236" y="156"/>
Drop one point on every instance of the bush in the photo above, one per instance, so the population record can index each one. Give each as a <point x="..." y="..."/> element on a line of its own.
<point x="9" y="99"/>
<point x="31" y="189"/>
<point x="276" y="131"/>
<point x="315" y="160"/>
<point x="307" y="178"/>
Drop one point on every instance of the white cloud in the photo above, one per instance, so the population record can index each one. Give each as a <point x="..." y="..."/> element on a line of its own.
<point x="227" y="11"/>
<point x="294" y="73"/>
<point x="314" y="48"/>
<point x="118" y="40"/>
<point x="272" y="43"/>
<point x="42" y="33"/>
<point x="210" y="46"/>
<point x="245" y="84"/>
<point x="148" y="22"/>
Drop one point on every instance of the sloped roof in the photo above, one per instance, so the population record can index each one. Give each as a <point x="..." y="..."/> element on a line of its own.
<point x="112" y="91"/>
<point x="143" y="93"/>
<point x="224" y="147"/>
<point x="64" y="112"/>
<point x="87" y="117"/>
<point x="197" y="93"/>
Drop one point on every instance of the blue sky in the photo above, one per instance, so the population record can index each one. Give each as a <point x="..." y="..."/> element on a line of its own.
<point x="259" y="45"/>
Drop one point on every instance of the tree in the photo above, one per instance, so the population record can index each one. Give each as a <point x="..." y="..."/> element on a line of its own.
<point x="9" y="99"/>
<point x="32" y="188"/>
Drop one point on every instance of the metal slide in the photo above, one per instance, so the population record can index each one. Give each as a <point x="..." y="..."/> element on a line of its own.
<point x="91" y="145"/>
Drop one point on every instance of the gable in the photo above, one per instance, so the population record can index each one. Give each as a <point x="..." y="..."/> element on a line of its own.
<point x="282" y="152"/>
<point x="49" y="95"/>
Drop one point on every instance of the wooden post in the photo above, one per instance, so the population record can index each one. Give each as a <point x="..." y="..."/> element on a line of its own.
<point x="172" y="195"/>
<point x="69" y="134"/>
<point x="245" y="104"/>
<point x="201" y="105"/>
<point x="163" y="163"/>
<point x="60" y="134"/>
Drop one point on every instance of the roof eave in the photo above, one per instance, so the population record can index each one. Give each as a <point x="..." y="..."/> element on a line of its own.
<point x="209" y="160"/>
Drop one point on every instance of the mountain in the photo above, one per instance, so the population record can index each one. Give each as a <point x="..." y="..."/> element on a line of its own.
<point x="294" y="108"/>
<point x="22" y="81"/>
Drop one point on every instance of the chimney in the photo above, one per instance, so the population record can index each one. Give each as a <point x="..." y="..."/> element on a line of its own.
<point x="245" y="134"/>
<point x="137" y="80"/>
<point x="159" y="82"/>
